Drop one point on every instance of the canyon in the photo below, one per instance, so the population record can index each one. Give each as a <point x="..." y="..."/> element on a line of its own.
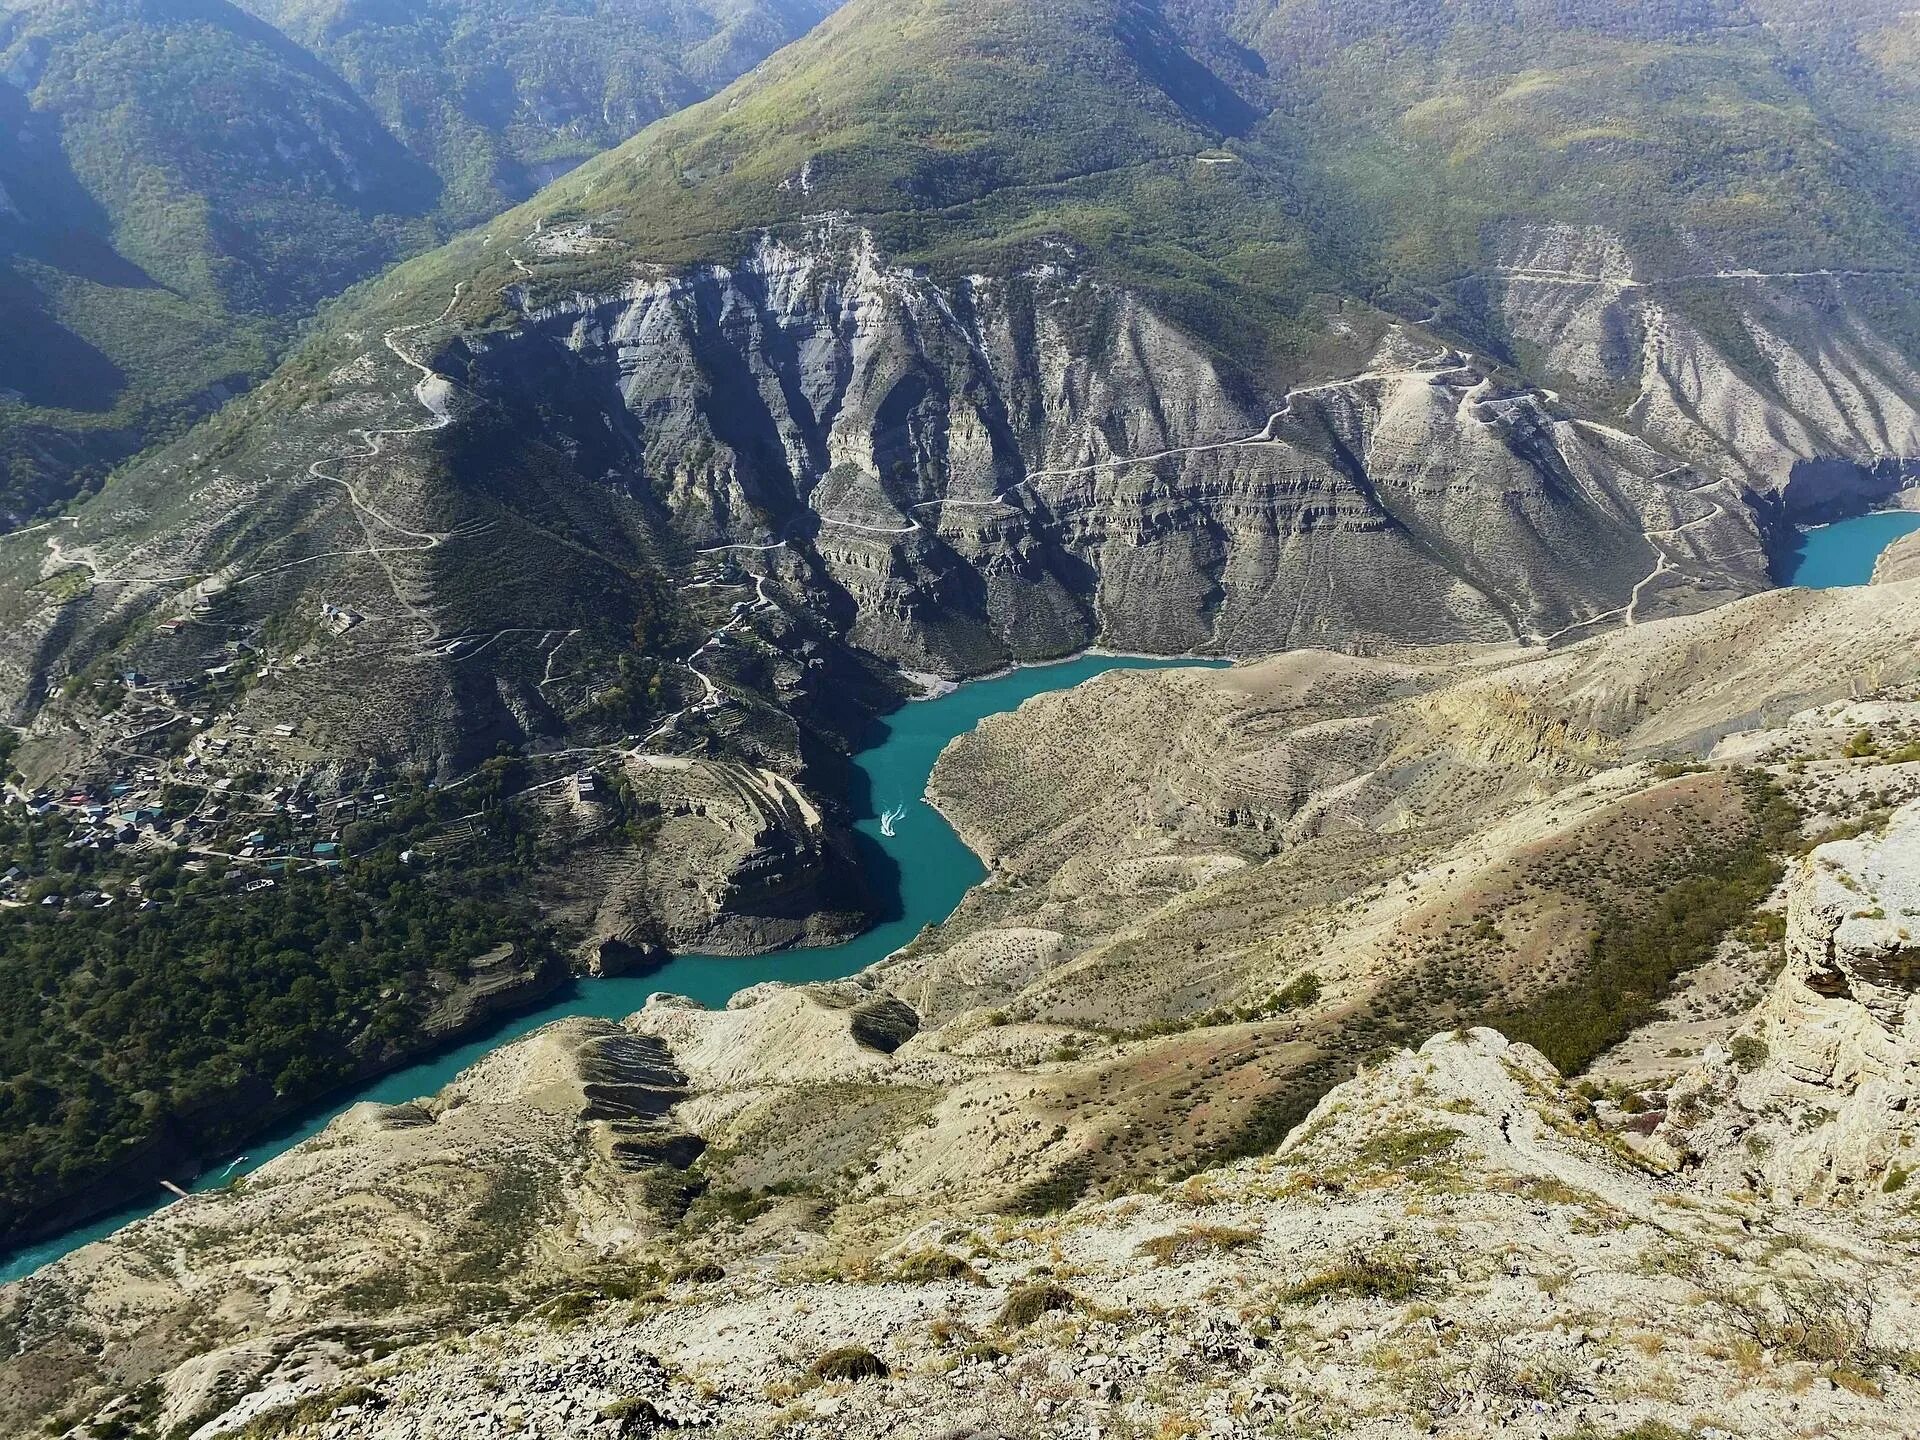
<point x="1481" y="999"/>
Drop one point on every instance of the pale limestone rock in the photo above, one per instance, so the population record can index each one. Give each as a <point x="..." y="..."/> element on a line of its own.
<point x="1900" y="561"/>
<point x="1818" y="1098"/>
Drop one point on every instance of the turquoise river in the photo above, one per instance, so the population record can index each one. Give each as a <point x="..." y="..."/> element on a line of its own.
<point x="1843" y="553"/>
<point x="933" y="871"/>
<point x="923" y="863"/>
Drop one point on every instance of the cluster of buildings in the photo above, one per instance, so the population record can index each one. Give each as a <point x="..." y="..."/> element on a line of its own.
<point x="194" y="782"/>
<point x="98" y="838"/>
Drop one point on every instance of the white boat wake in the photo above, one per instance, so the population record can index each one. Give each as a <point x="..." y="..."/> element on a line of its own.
<point x="891" y="818"/>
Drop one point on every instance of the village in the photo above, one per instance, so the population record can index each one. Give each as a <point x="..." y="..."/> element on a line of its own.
<point x="178" y="773"/>
<point x="219" y="799"/>
<point x="186" y="787"/>
<point x="89" y="847"/>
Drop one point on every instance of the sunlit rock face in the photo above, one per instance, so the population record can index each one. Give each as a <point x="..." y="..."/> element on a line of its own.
<point x="1817" y="1099"/>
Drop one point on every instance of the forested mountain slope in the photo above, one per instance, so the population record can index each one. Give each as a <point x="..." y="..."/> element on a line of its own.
<point x="498" y="96"/>
<point x="181" y="183"/>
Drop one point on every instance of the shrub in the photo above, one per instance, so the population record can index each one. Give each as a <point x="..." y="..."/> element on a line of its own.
<point x="1029" y="1302"/>
<point x="1365" y="1276"/>
<point x="290" y="1419"/>
<point x="1749" y="1052"/>
<point x="926" y="1266"/>
<point x="1055" y="1191"/>
<point x="851" y="1363"/>
<point x="1828" y="1323"/>
<point x="1195" y="1240"/>
<point x="1404" y="1149"/>
<point x="569" y="1310"/>
<point x="1636" y="953"/>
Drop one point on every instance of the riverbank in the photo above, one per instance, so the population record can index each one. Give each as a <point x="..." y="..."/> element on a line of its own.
<point x="188" y="1146"/>
<point x="921" y="870"/>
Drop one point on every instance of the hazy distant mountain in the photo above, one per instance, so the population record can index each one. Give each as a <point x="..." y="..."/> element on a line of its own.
<point x="180" y="182"/>
<point x="500" y="96"/>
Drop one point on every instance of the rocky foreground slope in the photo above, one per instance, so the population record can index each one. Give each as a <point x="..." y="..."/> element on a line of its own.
<point x="989" y="1188"/>
<point x="1453" y="1240"/>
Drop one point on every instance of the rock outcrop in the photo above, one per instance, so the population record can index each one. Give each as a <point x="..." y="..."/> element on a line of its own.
<point x="1899" y="562"/>
<point x="978" y="472"/>
<point x="1802" y="396"/>
<point x="728" y="859"/>
<point x="1816" y="1100"/>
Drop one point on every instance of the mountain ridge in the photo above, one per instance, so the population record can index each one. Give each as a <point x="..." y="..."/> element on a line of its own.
<point x="194" y="182"/>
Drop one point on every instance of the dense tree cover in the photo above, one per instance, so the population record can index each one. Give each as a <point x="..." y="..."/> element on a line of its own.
<point x="182" y="182"/>
<point x="116" y="1022"/>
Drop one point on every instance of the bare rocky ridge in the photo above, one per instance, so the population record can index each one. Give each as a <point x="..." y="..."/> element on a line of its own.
<point x="1453" y="1236"/>
<point x="1825" y="420"/>
<point x="1835" y="1041"/>
<point x="389" y="1202"/>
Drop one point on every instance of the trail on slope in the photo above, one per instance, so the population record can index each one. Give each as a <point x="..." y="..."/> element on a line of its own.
<point x="372" y="442"/>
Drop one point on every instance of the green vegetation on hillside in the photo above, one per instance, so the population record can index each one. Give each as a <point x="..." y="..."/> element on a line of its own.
<point x="499" y="95"/>
<point x="1636" y="955"/>
<point x="1244" y="166"/>
<point x="1647" y="921"/>
<point x="184" y="184"/>
<point x="122" y="1024"/>
<point x="181" y="183"/>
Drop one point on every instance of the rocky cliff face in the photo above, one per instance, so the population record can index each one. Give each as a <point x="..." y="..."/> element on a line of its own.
<point x="946" y="474"/>
<point x="1785" y="383"/>
<point x="1018" y="465"/>
<point x="734" y="859"/>
<point x="1817" y="1099"/>
<point x="1898" y="562"/>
